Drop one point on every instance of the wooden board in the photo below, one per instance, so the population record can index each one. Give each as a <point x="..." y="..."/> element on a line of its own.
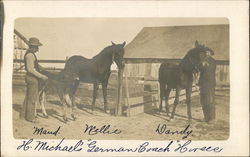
<point x="135" y="110"/>
<point x="149" y="102"/>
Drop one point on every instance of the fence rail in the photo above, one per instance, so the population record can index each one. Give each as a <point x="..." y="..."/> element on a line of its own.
<point x="129" y="60"/>
<point x="41" y="61"/>
<point x="160" y="60"/>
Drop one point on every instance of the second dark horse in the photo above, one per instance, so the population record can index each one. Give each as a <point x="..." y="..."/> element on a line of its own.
<point x="96" y="70"/>
<point x="181" y="76"/>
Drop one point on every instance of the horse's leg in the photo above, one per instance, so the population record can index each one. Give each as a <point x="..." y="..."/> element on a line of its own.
<point x="73" y="92"/>
<point x="95" y="88"/>
<point x="188" y="101"/>
<point x="36" y="104"/>
<point x="69" y="105"/>
<point x="60" y="92"/>
<point x="168" y="90"/>
<point x="162" y="94"/>
<point x="104" y="90"/>
<point x="64" y="109"/>
<point x="176" y="102"/>
<point x="42" y="101"/>
<point x="65" y="112"/>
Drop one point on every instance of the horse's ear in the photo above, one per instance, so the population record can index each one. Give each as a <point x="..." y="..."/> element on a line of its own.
<point x="112" y="43"/>
<point x="124" y="43"/>
<point x="196" y="43"/>
<point x="211" y="51"/>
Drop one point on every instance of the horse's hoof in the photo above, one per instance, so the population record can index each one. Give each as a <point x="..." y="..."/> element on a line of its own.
<point x="73" y="116"/>
<point x="189" y="121"/>
<point x="161" y="112"/>
<point x="107" y="111"/>
<point x="45" y="116"/>
<point x="65" y="119"/>
<point x="168" y="114"/>
<point x="171" y="119"/>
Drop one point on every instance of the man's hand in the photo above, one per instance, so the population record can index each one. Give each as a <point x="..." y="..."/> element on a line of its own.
<point x="44" y="78"/>
<point x="41" y="68"/>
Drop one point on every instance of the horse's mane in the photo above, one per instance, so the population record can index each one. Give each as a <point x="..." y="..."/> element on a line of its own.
<point x="190" y="53"/>
<point x="195" y="50"/>
<point x="185" y="62"/>
<point x="104" y="51"/>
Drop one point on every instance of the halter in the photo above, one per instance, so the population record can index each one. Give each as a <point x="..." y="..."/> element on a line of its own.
<point x="195" y="74"/>
<point x="194" y="65"/>
<point x="113" y="57"/>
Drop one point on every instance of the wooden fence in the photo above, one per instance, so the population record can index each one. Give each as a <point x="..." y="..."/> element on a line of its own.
<point x="146" y="71"/>
<point x="141" y="79"/>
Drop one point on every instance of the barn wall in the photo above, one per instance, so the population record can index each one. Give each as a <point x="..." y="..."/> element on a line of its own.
<point x="222" y="75"/>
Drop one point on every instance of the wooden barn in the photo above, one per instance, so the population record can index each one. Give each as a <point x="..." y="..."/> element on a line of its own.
<point x="154" y="45"/>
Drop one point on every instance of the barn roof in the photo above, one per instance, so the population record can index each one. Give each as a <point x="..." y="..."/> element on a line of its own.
<point x="174" y="42"/>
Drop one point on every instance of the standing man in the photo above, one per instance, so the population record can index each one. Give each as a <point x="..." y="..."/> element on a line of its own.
<point x="207" y="83"/>
<point x="33" y="76"/>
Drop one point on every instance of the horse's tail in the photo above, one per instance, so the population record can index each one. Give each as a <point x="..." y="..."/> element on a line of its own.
<point x="161" y="79"/>
<point x="160" y="73"/>
<point x="162" y="90"/>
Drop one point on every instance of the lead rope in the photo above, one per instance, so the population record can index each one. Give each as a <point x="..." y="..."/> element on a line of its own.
<point x="113" y="56"/>
<point x="195" y="76"/>
<point x="196" y="79"/>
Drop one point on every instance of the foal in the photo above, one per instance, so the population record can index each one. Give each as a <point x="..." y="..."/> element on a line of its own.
<point x="62" y="83"/>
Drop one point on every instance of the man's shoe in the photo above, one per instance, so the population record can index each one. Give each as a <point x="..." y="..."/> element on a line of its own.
<point x="34" y="121"/>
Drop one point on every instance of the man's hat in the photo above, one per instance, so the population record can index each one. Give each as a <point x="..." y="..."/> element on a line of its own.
<point x="34" y="42"/>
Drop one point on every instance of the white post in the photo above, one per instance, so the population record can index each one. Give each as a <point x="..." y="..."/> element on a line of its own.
<point x="119" y="105"/>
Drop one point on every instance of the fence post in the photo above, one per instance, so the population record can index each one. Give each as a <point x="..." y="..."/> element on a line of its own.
<point x="119" y="98"/>
<point x="127" y="93"/>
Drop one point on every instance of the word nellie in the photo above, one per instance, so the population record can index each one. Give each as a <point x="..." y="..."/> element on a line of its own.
<point x="105" y="129"/>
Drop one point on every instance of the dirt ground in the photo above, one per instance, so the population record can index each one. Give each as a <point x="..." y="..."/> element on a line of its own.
<point x="138" y="127"/>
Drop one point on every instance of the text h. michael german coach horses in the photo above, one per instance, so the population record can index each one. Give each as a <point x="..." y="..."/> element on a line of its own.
<point x="96" y="70"/>
<point x="181" y="76"/>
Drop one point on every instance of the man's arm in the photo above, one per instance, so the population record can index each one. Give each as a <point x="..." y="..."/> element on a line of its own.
<point x="41" y="67"/>
<point x="31" y="67"/>
<point x="213" y="64"/>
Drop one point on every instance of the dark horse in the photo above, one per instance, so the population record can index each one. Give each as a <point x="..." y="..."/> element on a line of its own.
<point x="96" y="70"/>
<point x="181" y="76"/>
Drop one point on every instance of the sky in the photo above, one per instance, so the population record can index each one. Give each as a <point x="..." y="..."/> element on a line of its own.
<point x="62" y="37"/>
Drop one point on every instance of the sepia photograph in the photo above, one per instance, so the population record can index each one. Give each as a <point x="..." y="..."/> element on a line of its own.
<point x="125" y="78"/>
<point x="121" y="78"/>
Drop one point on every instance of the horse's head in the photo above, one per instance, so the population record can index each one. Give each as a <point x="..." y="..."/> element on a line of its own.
<point x="198" y="56"/>
<point x="118" y="53"/>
